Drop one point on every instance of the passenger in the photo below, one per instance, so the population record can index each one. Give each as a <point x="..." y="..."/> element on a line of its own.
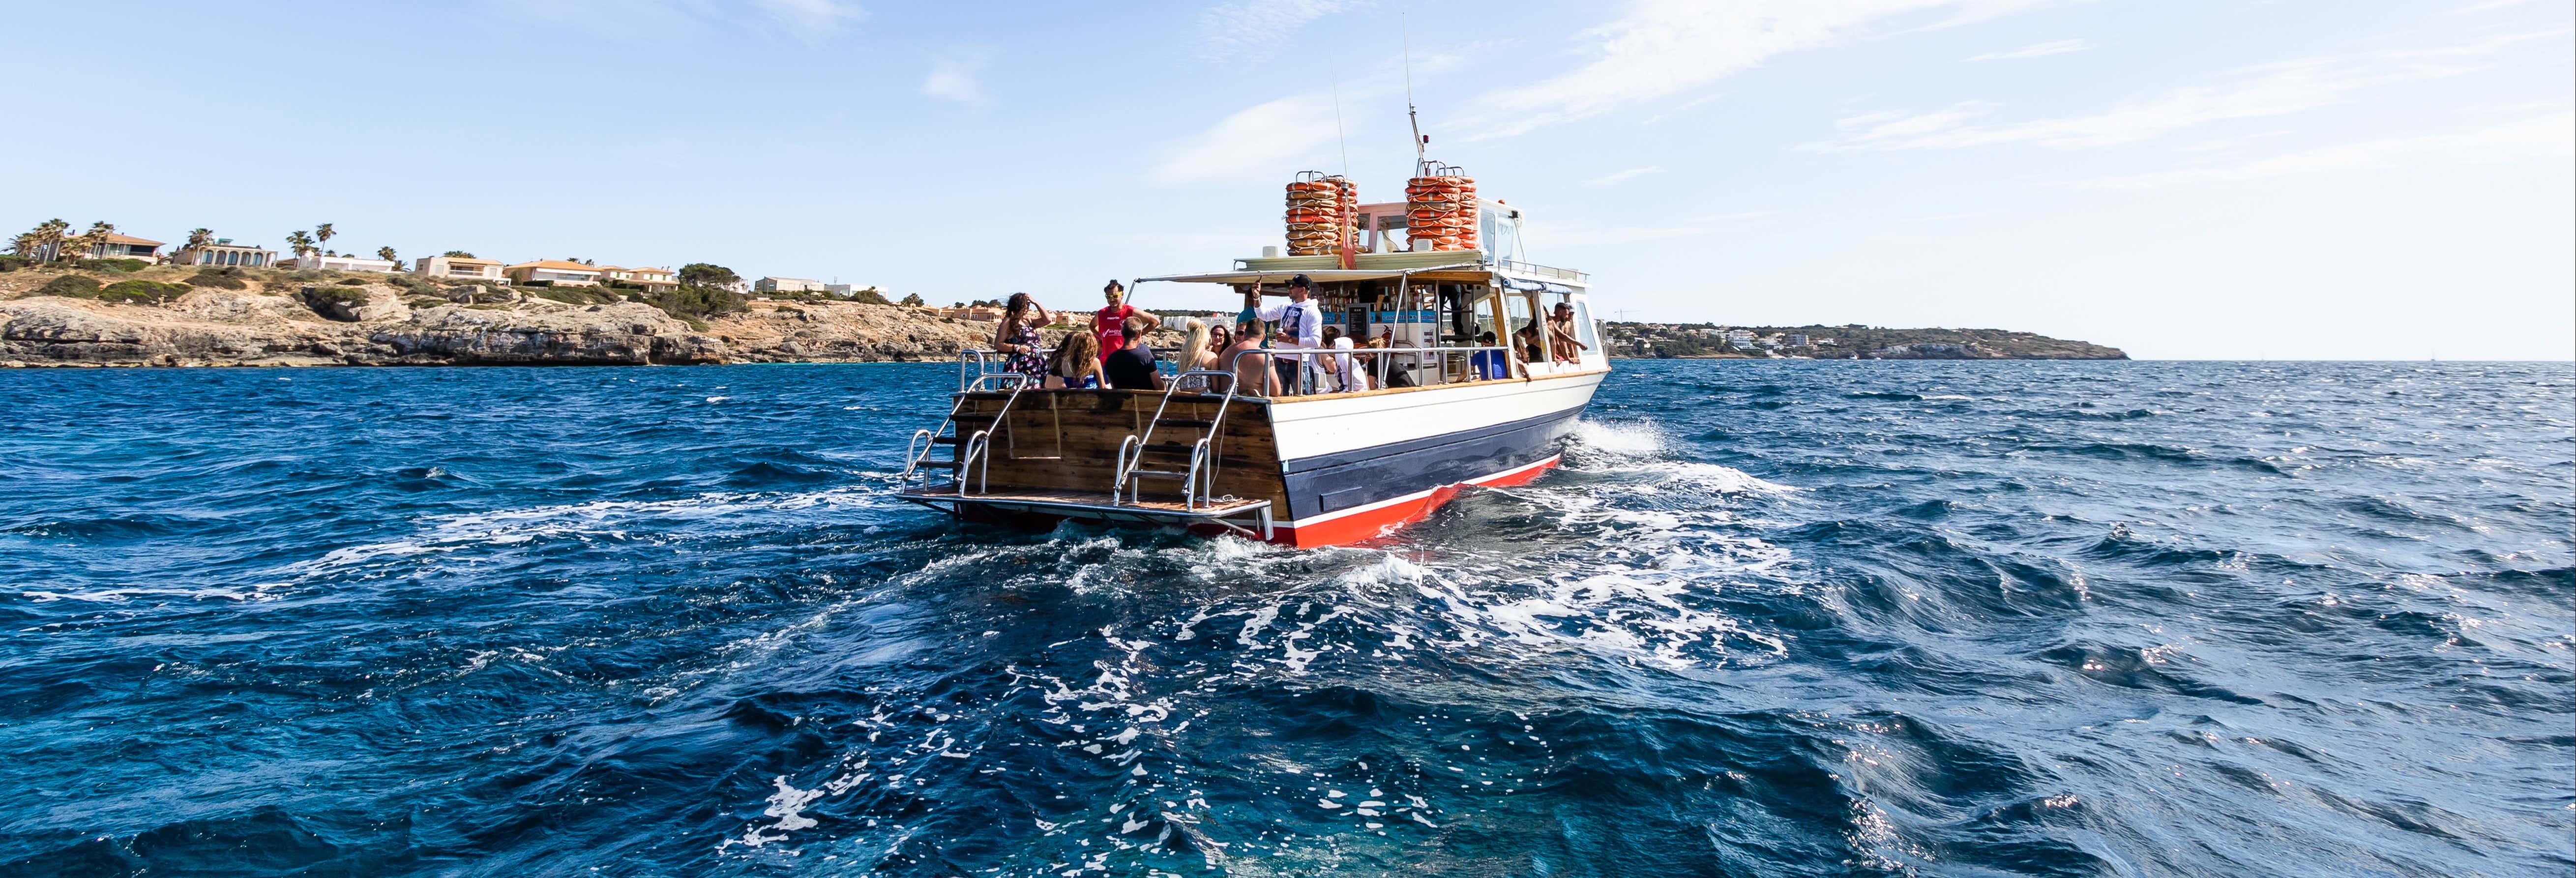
<point x="1250" y="363"/>
<point x="1301" y="328"/>
<point x="1488" y="365"/>
<point x="1560" y="330"/>
<point x="1132" y="367"/>
<point x="1329" y="379"/>
<point x="1528" y="339"/>
<point x="1108" y="324"/>
<point x="1195" y="354"/>
<point x="1076" y="364"/>
<point x="1016" y="338"/>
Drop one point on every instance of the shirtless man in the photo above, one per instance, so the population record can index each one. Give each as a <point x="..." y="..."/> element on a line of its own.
<point x="1250" y="368"/>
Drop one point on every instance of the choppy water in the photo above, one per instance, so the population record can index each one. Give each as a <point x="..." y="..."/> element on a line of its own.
<point x="1819" y="618"/>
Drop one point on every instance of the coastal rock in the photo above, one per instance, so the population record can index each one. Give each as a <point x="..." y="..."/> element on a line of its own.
<point x="842" y="332"/>
<point x="624" y="333"/>
<point x="273" y="321"/>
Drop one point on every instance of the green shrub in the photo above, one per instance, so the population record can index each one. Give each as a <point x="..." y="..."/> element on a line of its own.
<point x="413" y="284"/>
<point x="350" y="282"/>
<point x="73" y="285"/>
<point x="118" y="265"/>
<point x="689" y="302"/>
<point x="12" y="263"/>
<point x="575" y="296"/>
<point x="341" y="295"/>
<point x="306" y="276"/>
<point x="229" y="278"/>
<point x="127" y="292"/>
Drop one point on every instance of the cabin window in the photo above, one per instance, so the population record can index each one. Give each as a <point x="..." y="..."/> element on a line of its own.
<point x="1520" y="307"/>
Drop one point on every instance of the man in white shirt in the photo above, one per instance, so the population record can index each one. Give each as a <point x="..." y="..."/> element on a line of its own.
<point x="1301" y="328"/>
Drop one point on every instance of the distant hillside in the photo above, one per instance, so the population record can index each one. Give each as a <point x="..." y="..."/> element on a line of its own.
<point x="1854" y="341"/>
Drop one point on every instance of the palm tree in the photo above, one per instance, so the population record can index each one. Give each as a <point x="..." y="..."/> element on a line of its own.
<point x="387" y="254"/>
<point x="198" y="239"/>
<point x="301" y="242"/>
<point x="25" y="244"/>
<point x="49" y="238"/>
<point x="322" y="234"/>
<point x="90" y="242"/>
<point x="457" y="254"/>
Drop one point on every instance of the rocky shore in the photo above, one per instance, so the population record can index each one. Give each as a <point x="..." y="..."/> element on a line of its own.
<point x="380" y="324"/>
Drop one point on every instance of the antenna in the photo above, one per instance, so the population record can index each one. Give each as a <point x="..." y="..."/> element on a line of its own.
<point x="1412" y="116"/>
<point x="1337" y="131"/>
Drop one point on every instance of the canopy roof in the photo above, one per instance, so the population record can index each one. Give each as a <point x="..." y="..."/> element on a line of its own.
<point x="1318" y="275"/>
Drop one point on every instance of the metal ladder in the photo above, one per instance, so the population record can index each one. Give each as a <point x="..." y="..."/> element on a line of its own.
<point x="977" y="448"/>
<point x="1200" y="475"/>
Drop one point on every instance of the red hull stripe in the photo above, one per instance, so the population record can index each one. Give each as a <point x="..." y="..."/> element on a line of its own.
<point x="1374" y="520"/>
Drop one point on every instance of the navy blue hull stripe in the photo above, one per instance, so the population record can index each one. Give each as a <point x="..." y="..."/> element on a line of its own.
<point x="1400" y="468"/>
<point x="1373" y="452"/>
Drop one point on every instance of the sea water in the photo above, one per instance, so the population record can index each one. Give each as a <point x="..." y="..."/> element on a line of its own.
<point x="1770" y="618"/>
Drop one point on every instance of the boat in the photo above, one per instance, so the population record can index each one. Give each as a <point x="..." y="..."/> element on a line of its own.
<point x="1304" y="469"/>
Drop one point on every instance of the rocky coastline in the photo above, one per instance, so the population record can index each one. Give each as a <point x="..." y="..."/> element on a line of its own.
<point x="363" y="322"/>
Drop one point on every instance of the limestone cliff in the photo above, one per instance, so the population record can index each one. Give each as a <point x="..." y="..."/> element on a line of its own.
<point x="375" y="323"/>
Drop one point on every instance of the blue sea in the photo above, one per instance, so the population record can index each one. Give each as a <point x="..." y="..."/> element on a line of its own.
<point x="1770" y="619"/>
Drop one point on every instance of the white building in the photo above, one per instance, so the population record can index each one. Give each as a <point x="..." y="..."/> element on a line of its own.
<point x="848" y="289"/>
<point x="342" y="263"/>
<point x="787" y="285"/>
<point x="1742" y="338"/>
<point x="464" y="268"/>
<point x="224" y="252"/>
<point x="554" y="272"/>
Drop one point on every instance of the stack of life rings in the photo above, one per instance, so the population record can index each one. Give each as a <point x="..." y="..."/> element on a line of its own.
<point x="1440" y="209"/>
<point x="1321" y="209"/>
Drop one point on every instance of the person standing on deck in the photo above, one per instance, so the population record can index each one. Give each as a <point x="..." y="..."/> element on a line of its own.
<point x="1016" y="337"/>
<point x="1109" y="324"/>
<point x="1301" y="328"/>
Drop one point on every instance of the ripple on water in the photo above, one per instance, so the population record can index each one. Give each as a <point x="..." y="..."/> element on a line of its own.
<point x="1804" y="618"/>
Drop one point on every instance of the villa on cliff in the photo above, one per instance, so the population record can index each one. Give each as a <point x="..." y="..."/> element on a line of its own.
<point x="224" y="252"/>
<point x="463" y="268"/>
<point x="653" y="280"/>
<point x="555" y="272"/>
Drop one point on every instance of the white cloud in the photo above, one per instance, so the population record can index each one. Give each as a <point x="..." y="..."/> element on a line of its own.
<point x="1658" y="48"/>
<point x="955" y="75"/>
<point x="1253" y="143"/>
<point x="2541" y="137"/>
<point x="810" y="17"/>
<point x="2059" y="47"/>
<point x="2266" y="91"/>
<point x="1629" y="174"/>
<point x="639" y="18"/>
<point x="1255" y="29"/>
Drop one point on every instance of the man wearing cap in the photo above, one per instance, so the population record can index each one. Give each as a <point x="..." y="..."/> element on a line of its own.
<point x="1301" y="328"/>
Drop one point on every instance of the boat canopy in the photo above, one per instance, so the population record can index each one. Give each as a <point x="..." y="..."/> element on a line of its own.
<point x="1533" y="286"/>
<point x="1318" y="275"/>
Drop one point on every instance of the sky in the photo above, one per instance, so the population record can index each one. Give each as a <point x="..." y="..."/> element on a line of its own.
<point x="2227" y="180"/>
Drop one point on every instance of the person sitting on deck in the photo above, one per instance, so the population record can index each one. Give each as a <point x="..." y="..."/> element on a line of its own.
<point x="1131" y="366"/>
<point x="1488" y="365"/>
<point x="1198" y="351"/>
<point x="1076" y="365"/>
<point x="1528" y="338"/>
<point x="1251" y="365"/>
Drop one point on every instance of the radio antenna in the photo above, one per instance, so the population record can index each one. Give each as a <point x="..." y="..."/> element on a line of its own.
<point x="1411" y="115"/>
<point x="1337" y="131"/>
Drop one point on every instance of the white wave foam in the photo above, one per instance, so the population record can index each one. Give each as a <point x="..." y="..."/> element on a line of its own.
<point x="1630" y="439"/>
